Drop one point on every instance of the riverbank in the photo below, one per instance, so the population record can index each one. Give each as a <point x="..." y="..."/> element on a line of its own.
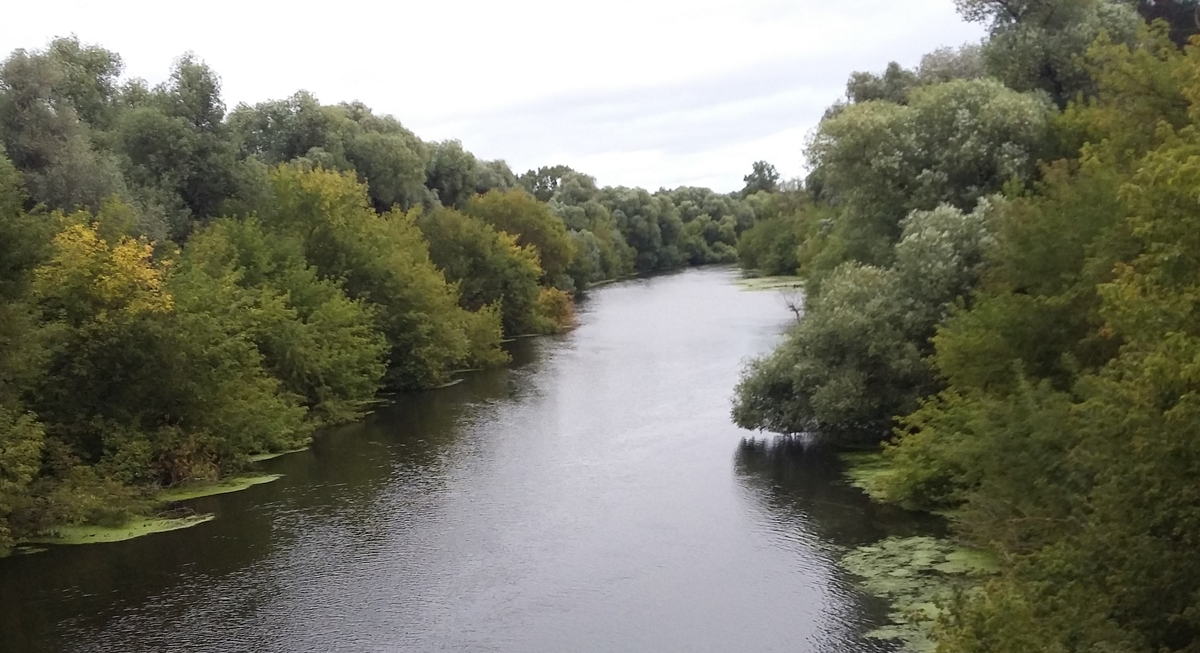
<point x="599" y="474"/>
<point x="915" y="575"/>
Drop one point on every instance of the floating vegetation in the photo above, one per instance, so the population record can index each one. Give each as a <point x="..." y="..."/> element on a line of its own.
<point x="449" y="384"/>
<point x="136" y="527"/>
<point x="185" y="491"/>
<point x="258" y="458"/>
<point x="26" y="550"/>
<point x="917" y="576"/>
<point x="869" y="471"/>
<point x="141" y="526"/>
<point x="771" y="283"/>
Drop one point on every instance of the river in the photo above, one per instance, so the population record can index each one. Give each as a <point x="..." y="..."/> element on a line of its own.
<point x="592" y="497"/>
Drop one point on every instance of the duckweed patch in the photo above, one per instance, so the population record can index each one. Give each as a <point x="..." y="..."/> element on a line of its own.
<point x="771" y="283"/>
<point x="186" y="491"/>
<point x="137" y="527"/>
<point x="917" y="576"/>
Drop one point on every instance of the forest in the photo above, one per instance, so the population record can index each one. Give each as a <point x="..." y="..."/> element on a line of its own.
<point x="184" y="287"/>
<point x="1001" y="250"/>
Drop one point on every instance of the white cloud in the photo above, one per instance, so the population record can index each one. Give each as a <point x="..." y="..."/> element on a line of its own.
<point x="636" y="92"/>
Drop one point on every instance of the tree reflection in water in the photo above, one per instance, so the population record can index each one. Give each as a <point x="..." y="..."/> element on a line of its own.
<point x="803" y="498"/>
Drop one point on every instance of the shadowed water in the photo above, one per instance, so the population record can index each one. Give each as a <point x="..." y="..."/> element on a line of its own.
<point x="593" y="497"/>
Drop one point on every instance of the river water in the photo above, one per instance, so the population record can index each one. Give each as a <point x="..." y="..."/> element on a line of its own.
<point x="593" y="497"/>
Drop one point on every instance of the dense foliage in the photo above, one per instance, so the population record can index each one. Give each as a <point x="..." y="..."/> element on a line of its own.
<point x="183" y="287"/>
<point x="1034" y="339"/>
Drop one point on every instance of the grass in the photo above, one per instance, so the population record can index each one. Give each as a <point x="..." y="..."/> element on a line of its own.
<point x="137" y="527"/>
<point x="185" y="491"/>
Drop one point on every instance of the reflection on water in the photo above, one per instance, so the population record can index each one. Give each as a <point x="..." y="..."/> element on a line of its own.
<point x="582" y="500"/>
<point x="801" y="495"/>
<point x="802" y="488"/>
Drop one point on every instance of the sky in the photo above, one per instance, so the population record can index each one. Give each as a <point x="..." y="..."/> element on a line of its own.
<point x="651" y="93"/>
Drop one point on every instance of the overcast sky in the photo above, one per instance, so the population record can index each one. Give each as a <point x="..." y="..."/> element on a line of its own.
<point x="635" y="92"/>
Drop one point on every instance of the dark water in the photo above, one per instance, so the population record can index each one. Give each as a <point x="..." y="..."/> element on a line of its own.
<point x="593" y="498"/>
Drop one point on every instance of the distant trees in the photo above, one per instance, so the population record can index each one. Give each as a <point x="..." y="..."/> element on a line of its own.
<point x="387" y="157"/>
<point x="763" y="178"/>
<point x="543" y="183"/>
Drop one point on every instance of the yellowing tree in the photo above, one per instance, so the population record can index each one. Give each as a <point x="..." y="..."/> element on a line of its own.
<point x="88" y="278"/>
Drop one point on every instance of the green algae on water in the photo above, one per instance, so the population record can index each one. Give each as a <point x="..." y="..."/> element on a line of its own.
<point x="185" y="491"/>
<point x="136" y="527"/>
<point x="141" y="526"/>
<point x="260" y="457"/>
<point x="771" y="283"/>
<point x="917" y="576"/>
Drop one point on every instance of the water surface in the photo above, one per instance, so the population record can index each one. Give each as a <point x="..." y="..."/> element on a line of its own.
<point x="594" y="497"/>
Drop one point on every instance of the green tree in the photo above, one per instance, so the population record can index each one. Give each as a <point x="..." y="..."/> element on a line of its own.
<point x="857" y="358"/>
<point x="954" y="143"/>
<point x="543" y="183"/>
<point x="533" y="224"/>
<point x="42" y="130"/>
<point x="763" y="178"/>
<point x="383" y="260"/>
<point x="390" y="159"/>
<point x="320" y="344"/>
<point x="601" y="250"/>
<point x="451" y="173"/>
<point x="1039" y="44"/>
<point x="489" y="267"/>
<point x="650" y="224"/>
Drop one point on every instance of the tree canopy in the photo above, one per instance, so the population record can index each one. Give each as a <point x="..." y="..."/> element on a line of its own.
<point x="1001" y="280"/>
<point x="184" y="286"/>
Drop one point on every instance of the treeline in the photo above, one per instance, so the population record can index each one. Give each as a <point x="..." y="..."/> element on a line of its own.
<point x="1002" y="250"/>
<point x="183" y="287"/>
